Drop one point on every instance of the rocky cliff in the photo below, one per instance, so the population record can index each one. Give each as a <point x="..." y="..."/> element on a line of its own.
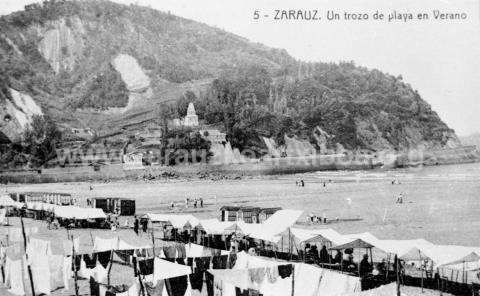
<point x="108" y="66"/>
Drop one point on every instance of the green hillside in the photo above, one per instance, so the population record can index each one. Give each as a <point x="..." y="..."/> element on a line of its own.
<point x="63" y="54"/>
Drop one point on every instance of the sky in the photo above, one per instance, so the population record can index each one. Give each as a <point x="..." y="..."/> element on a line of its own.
<point x="439" y="58"/>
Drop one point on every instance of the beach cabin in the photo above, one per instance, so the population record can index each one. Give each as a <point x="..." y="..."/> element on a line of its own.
<point x="246" y="214"/>
<point x="113" y="205"/>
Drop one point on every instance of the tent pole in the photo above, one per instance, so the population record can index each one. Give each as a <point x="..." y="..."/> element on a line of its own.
<point x="296" y="248"/>
<point x="440" y="284"/>
<point x="26" y="256"/>
<point x="75" y="273"/>
<point x="359" y="261"/>
<point x="329" y="253"/>
<point x="91" y="238"/>
<point x="387" y="267"/>
<point x="139" y="277"/>
<point x="371" y="257"/>
<point x="289" y="243"/>
<point x="111" y="263"/>
<point x="282" y="243"/>
<point x="398" y="275"/>
<point x="421" y="267"/>
<point x="341" y="261"/>
<point x="293" y="280"/>
<point x="153" y="242"/>
<point x="225" y="241"/>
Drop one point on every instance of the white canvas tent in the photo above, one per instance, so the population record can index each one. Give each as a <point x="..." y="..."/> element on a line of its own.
<point x="299" y="237"/>
<point x="354" y="244"/>
<point x="177" y="221"/>
<point x="213" y="226"/>
<point x="273" y="226"/>
<point x="119" y="244"/>
<point x="73" y="212"/>
<point x="364" y="236"/>
<point x="404" y="249"/>
<point x="443" y="255"/>
<point x="246" y="228"/>
<point x="6" y="201"/>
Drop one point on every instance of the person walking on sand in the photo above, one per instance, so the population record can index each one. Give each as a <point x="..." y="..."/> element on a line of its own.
<point x="136" y="225"/>
<point x="302" y="183"/>
<point x="400" y="198"/>
<point x="201" y="202"/>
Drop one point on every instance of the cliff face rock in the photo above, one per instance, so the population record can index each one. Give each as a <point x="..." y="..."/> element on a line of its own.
<point x="16" y="114"/>
<point x="131" y="72"/>
<point x="293" y="147"/>
<point x="225" y="154"/>
<point x="61" y="44"/>
<point x="137" y="82"/>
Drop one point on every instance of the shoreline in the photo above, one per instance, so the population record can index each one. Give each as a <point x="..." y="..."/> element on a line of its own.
<point x="214" y="172"/>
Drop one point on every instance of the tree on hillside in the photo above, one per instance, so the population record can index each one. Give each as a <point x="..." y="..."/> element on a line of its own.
<point x="185" y="146"/>
<point x="40" y="140"/>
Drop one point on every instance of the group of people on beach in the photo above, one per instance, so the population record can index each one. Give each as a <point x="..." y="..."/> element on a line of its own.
<point x="314" y="219"/>
<point x="197" y="202"/>
<point x="136" y="225"/>
<point x="300" y="183"/>
<point x="345" y="259"/>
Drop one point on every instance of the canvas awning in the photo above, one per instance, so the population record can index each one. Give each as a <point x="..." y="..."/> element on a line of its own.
<point x="300" y="237"/>
<point x="405" y="249"/>
<point x="213" y="226"/>
<point x="117" y="243"/>
<point x="443" y="255"/>
<point x="364" y="236"/>
<point x="41" y="206"/>
<point x="177" y="221"/>
<point x="73" y="212"/>
<point x="6" y="201"/>
<point x="330" y="235"/>
<point x="273" y="226"/>
<point x="33" y="206"/>
<point x="282" y="219"/>
<point x="163" y="269"/>
<point x="246" y="228"/>
<point x="355" y="244"/>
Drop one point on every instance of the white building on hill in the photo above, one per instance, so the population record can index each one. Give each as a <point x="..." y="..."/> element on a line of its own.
<point x="132" y="161"/>
<point x="191" y="120"/>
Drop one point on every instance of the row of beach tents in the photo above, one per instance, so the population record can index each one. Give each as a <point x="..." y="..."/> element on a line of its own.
<point x="64" y="212"/>
<point x="280" y="232"/>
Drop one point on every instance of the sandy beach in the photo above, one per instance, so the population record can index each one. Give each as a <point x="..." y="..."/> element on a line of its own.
<point x="435" y="198"/>
<point x="441" y="203"/>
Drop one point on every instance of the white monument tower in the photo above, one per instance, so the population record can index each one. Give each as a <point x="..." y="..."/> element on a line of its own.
<point x="191" y="119"/>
